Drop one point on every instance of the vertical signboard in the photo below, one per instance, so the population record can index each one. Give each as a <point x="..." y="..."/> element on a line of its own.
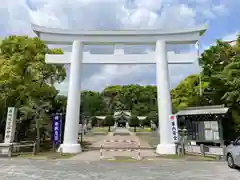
<point x="56" y="128"/>
<point x="10" y="125"/>
<point x="174" y="127"/>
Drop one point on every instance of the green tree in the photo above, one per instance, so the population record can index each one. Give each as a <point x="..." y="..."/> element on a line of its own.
<point x="111" y="93"/>
<point x="213" y="61"/>
<point x="220" y="74"/>
<point x="94" y="122"/>
<point x="186" y="93"/>
<point x="230" y="76"/>
<point x="135" y="98"/>
<point x="220" y="64"/>
<point x="59" y="104"/>
<point x="26" y="80"/>
<point x="134" y="122"/>
<point x="109" y="121"/>
<point x="152" y="116"/>
<point x="146" y="122"/>
<point x="92" y="104"/>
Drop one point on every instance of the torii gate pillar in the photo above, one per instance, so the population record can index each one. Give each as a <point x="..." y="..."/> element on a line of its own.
<point x="70" y="142"/>
<point x="166" y="145"/>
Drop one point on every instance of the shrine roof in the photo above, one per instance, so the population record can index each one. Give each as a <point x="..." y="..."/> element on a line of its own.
<point x="201" y="110"/>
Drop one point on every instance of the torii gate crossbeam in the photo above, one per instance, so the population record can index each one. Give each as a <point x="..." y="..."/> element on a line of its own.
<point x="117" y="58"/>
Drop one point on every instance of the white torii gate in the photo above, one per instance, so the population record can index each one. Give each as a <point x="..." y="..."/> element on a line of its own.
<point x="144" y="37"/>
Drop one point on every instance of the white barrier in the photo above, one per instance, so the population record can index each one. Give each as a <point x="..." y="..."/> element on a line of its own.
<point x="137" y="149"/>
<point x="120" y="141"/>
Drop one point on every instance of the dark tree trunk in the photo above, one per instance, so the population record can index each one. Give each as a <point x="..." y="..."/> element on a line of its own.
<point x="109" y="128"/>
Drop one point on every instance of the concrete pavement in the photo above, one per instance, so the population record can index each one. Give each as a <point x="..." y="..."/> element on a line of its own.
<point x="114" y="145"/>
<point x="22" y="169"/>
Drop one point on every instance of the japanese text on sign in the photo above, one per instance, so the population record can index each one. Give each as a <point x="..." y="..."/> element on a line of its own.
<point x="56" y="128"/>
<point x="10" y="125"/>
<point x="174" y="128"/>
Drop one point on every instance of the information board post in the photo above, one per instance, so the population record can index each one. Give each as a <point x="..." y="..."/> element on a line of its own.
<point x="56" y="129"/>
<point x="175" y="135"/>
<point x="174" y="128"/>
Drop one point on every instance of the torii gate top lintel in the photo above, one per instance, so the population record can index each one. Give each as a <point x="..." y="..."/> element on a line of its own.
<point x="67" y="36"/>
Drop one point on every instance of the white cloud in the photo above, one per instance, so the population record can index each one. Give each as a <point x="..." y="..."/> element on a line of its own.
<point x="109" y="14"/>
<point x="63" y="87"/>
<point x="228" y="37"/>
<point x="215" y="11"/>
<point x="220" y="9"/>
<point x="231" y="37"/>
<point x="14" y="17"/>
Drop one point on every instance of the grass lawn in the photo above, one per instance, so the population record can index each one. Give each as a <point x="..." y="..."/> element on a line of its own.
<point x="144" y="129"/>
<point x="46" y="155"/>
<point x="201" y="158"/>
<point x="189" y="157"/>
<point x="99" y="129"/>
<point x="173" y="157"/>
<point x="138" y="129"/>
<point x="46" y="152"/>
<point x="152" y="138"/>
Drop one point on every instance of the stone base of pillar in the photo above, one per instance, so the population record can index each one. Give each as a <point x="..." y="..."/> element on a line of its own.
<point x="6" y="147"/>
<point x="70" y="148"/>
<point x="166" y="149"/>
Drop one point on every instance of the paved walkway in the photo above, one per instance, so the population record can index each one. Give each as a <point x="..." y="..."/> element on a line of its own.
<point x="117" y="144"/>
<point x="82" y="170"/>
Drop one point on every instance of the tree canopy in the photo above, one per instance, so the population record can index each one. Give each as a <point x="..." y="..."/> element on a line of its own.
<point x="26" y="81"/>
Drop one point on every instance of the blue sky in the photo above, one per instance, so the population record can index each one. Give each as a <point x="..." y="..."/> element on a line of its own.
<point x="222" y="17"/>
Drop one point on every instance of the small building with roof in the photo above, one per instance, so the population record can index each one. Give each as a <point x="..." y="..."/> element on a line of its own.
<point x="210" y="125"/>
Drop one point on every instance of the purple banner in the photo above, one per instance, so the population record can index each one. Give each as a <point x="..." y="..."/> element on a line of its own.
<point x="56" y="128"/>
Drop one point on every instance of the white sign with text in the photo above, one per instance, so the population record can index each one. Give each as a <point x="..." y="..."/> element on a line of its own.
<point x="174" y="127"/>
<point x="10" y="125"/>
